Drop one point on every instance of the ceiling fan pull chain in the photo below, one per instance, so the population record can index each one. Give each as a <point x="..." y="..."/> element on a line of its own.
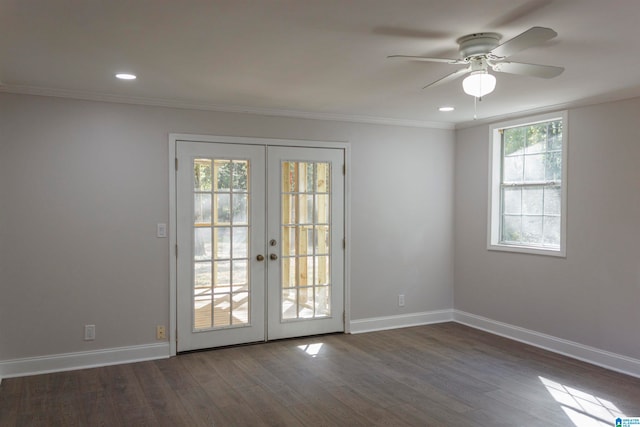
<point x="475" y="108"/>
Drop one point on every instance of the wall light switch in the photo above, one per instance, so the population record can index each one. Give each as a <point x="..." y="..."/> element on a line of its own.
<point x="89" y="332"/>
<point x="161" y="230"/>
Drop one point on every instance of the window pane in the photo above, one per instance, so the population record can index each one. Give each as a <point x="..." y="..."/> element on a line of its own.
<point x="534" y="168"/>
<point x="513" y="141"/>
<point x="288" y="241"/>
<point x="289" y="303"/>
<point x="305" y="209"/>
<point x="552" y="198"/>
<point x="289" y="203"/>
<point x="305" y="177"/>
<point x="240" y="176"/>
<point x="222" y="212"/>
<point x="554" y="136"/>
<point x="322" y="240"/>
<point x="289" y="177"/>
<point x="553" y="166"/>
<point x="322" y="301"/>
<point x="536" y="138"/>
<point x="202" y="175"/>
<point x="512" y="200"/>
<point x="322" y="270"/>
<point x="240" y="310"/>
<point x="511" y="228"/>
<point x="221" y="310"/>
<point x="322" y="209"/>
<point x="305" y="303"/>
<point x="532" y="201"/>
<point x="222" y="242"/>
<point x="202" y="209"/>
<point x="239" y="275"/>
<point x="513" y="169"/>
<point x="323" y="177"/>
<point x="221" y="276"/>
<point x="288" y="272"/>
<point x="240" y="209"/>
<point x="222" y="173"/>
<point x="202" y="275"/>
<point x="532" y="229"/>
<point x="551" y="236"/>
<point x="202" y="301"/>
<point x="202" y="243"/>
<point x="240" y="242"/>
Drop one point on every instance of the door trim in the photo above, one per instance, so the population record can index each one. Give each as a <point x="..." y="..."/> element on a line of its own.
<point x="173" y="271"/>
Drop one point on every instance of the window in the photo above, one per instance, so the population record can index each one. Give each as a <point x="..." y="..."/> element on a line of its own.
<point x="527" y="206"/>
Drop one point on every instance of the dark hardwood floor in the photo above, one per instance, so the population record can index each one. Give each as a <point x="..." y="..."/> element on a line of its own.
<point x="437" y="375"/>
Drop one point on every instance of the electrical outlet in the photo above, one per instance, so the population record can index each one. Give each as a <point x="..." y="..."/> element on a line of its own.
<point x="89" y="332"/>
<point x="401" y="300"/>
<point x="161" y="333"/>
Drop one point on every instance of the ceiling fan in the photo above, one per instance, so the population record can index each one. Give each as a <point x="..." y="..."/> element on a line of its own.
<point x="483" y="51"/>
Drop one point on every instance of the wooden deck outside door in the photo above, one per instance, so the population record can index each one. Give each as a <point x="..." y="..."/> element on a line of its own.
<point x="260" y="232"/>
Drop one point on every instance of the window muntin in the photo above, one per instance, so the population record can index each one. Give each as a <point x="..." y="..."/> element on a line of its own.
<point x="527" y="206"/>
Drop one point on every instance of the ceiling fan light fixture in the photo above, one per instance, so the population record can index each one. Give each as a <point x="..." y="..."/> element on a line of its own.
<point x="479" y="83"/>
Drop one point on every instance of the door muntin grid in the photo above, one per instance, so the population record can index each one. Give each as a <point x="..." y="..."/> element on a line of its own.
<point x="305" y="227"/>
<point x="221" y="236"/>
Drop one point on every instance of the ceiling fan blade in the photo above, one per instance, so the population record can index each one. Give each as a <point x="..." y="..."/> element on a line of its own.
<point x="449" y="77"/>
<point x="426" y="59"/>
<point x="518" y="13"/>
<point x="532" y="37"/>
<point x="534" y="70"/>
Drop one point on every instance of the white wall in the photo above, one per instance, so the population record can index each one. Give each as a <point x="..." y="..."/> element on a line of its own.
<point x="83" y="184"/>
<point x="592" y="296"/>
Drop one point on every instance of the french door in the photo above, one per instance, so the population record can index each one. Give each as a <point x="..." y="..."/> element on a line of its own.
<point x="260" y="243"/>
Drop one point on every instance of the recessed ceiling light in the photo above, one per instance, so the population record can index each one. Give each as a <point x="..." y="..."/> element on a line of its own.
<point x="126" y="76"/>
<point x="446" y="109"/>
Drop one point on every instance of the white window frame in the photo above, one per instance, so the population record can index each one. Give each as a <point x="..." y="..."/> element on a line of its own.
<point x="495" y="202"/>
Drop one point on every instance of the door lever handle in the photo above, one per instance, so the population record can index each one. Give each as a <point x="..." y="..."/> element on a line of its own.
<point x="273" y="257"/>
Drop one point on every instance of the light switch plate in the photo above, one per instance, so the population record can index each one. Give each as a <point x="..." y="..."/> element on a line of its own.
<point x="161" y="229"/>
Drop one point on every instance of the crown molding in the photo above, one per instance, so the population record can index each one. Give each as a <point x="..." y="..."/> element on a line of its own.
<point x="191" y="105"/>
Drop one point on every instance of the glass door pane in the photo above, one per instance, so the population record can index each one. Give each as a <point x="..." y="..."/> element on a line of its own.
<point x="305" y="231"/>
<point x="221" y="233"/>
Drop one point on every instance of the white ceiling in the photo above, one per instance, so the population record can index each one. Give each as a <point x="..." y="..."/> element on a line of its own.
<point x="314" y="58"/>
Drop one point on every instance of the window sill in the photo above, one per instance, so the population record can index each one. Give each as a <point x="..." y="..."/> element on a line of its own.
<point x="558" y="253"/>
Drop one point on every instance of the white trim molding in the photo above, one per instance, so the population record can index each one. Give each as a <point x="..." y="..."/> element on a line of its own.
<point x="372" y="324"/>
<point x="120" y="355"/>
<point x="82" y="360"/>
<point x="595" y="356"/>
<point x="193" y="105"/>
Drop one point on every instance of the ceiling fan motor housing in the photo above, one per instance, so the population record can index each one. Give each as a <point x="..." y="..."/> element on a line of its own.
<point x="478" y="44"/>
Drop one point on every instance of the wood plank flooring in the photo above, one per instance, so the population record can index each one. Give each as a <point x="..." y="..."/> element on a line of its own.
<point x="436" y="375"/>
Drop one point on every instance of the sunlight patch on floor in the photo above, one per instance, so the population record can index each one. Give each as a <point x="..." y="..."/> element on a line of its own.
<point x="311" y="349"/>
<point x="583" y="409"/>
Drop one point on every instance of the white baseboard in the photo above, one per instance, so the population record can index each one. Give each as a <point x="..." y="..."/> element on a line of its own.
<point x="114" y="356"/>
<point x="82" y="360"/>
<point x="595" y="356"/>
<point x="400" y="321"/>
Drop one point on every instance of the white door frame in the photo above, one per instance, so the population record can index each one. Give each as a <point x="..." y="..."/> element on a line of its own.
<point x="174" y="137"/>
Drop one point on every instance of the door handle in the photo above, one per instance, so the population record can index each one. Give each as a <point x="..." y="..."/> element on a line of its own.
<point x="273" y="257"/>
<point x="260" y="257"/>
